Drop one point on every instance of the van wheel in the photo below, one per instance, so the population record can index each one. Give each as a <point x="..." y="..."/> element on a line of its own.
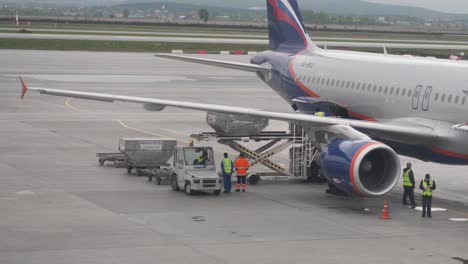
<point x="174" y="184"/>
<point x="188" y="188"/>
<point x="253" y="179"/>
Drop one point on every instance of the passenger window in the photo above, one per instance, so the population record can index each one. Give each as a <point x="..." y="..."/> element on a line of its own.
<point x="386" y="90"/>
<point x="333" y="82"/>
<point x="456" y="99"/>
<point x="369" y="87"/>
<point x="318" y="80"/>
<point x="436" y="97"/>
<point x="342" y="84"/>
<point x="308" y="79"/>
<point x="347" y="84"/>
<point x="352" y="85"/>
<point x="391" y="90"/>
<point x="449" y="100"/>
<point x="403" y="92"/>
<point x="374" y="89"/>
<point x="410" y="93"/>
<point x="363" y="86"/>
<point x="313" y="80"/>
<point x="442" y="99"/>
<point x="328" y="82"/>
<point x="358" y="85"/>
<point x="380" y="89"/>
<point x="397" y="91"/>
<point x="323" y="81"/>
<point x="464" y="100"/>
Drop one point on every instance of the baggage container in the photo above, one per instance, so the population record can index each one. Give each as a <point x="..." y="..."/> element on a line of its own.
<point x="147" y="152"/>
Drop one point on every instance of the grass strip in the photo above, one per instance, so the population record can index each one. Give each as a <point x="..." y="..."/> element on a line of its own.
<point x="122" y="46"/>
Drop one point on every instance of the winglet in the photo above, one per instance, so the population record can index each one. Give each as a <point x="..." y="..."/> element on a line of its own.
<point x="24" y="88"/>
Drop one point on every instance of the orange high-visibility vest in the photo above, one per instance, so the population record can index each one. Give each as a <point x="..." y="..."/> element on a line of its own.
<point x="241" y="165"/>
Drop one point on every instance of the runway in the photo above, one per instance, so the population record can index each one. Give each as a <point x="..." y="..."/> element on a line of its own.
<point x="333" y="42"/>
<point x="59" y="206"/>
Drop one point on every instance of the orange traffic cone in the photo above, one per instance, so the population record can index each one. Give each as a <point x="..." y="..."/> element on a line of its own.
<point x="385" y="215"/>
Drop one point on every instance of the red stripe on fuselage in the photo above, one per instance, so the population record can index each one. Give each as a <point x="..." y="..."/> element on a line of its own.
<point x="450" y="153"/>
<point x="301" y="85"/>
<point x="361" y="116"/>
<point x="353" y="161"/>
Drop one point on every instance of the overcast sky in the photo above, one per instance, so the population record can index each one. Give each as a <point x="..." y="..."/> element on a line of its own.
<point x="453" y="6"/>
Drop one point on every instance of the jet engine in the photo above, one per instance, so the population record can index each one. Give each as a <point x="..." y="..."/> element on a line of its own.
<point x="235" y="125"/>
<point x="360" y="167"/>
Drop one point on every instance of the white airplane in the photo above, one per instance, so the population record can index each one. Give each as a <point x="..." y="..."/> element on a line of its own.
<point x="388" y="104"/>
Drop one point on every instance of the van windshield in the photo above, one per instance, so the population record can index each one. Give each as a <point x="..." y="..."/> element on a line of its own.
<point x="198" y="156"/>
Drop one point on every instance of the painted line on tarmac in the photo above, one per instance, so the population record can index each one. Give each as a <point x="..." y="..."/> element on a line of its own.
<point x="67" y="104"/>
<point x="144" y="131"/>
<point x="459" y="219"/>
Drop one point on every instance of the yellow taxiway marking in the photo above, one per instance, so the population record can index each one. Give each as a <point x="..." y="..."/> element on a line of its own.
<point x="144" y="131"/>
<point x="67" y="104"/>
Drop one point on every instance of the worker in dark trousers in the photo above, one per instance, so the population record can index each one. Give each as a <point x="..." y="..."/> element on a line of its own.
<point x="227" y="167"/>
<point x="408" y="186"/>
<point x="427" y="186"/>
<point x="241" y="165"/>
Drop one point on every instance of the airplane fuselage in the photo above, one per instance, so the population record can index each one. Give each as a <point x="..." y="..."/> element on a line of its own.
<point x="378" y="87"/>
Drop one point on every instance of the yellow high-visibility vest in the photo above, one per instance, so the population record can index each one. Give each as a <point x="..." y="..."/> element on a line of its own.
<point x="406" y="178"/>
<point x="227" y="165"/>
<point x="321" y="114"/>
<point x="427" y="188"/>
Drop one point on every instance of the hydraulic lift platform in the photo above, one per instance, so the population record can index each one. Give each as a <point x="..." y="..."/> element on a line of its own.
<point x="301" y="154"/>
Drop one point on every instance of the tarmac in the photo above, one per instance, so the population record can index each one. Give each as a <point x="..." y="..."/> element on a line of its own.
<point x="59" y="206"/>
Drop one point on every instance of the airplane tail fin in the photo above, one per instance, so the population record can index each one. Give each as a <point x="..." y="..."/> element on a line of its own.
<point x="286" y="29"/>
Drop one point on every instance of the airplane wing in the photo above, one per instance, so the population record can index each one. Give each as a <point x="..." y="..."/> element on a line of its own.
<point x="224" y="64"/>
<point x="416" y="133"/>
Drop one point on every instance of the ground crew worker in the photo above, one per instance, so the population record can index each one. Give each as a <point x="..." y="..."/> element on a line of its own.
<point x="241" y="165"/>
<point x="226" y="167"/>
<point x="408" y="186"/>
<point x="319" y="113"/>
<point x="427" y="186"/>
<point x="200" y="160"/>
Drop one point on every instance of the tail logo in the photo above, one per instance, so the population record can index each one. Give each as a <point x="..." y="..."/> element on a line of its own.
<point x="287" y="32"/>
